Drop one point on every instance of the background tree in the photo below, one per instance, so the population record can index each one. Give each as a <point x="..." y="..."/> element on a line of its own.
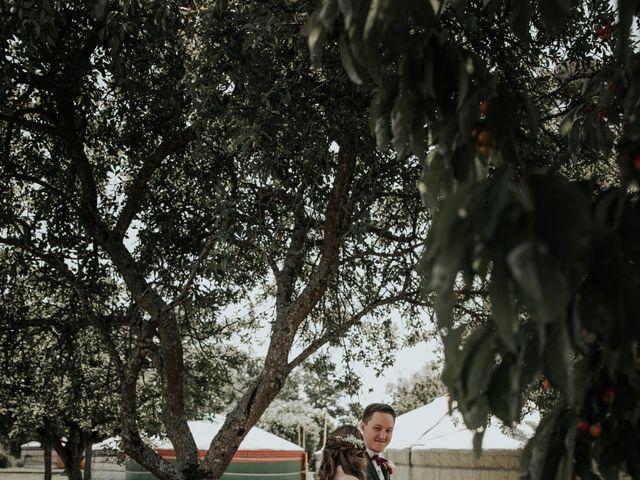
<point x="167" y="163"/>
<point x="419" y="389"/>
<point x="514" y="109"/>
<point x="311" y="398"/>
<point x="58" y="386"/>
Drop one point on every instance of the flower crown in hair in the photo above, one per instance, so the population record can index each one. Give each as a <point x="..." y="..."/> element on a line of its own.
<point x="351" y="440"/>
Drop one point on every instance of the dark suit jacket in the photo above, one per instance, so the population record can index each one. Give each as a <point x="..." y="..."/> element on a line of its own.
<point x="372" y="474"/>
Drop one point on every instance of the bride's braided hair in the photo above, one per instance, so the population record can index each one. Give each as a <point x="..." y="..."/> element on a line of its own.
<point x="345" y="448"/>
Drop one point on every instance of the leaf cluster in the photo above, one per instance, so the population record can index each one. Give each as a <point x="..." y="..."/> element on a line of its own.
<point x="514" y="109"/>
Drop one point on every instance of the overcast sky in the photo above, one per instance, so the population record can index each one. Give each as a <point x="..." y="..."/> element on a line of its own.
<point x="408" y="361"/>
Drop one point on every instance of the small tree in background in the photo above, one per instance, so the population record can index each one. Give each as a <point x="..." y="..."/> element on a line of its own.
<point x="419" y="389"/>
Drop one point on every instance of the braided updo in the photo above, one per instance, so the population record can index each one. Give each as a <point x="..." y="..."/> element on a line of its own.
<point x="345" y="448"/>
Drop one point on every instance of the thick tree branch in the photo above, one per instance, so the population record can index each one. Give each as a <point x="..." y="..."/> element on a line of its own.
<point x="184" y="291"/>
<point x="138" y="186"/>
<point x="255" y="401"/>
<point x="75" y="150"/>
<point x="335" y="219"/>
<point x="293" y="262"/>
<point x="149" y="299"/>
<point x="316" y="344"/>
<point x="171" y="341"/>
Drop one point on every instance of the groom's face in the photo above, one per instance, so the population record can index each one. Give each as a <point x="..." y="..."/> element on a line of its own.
<point x="377" y="431"/>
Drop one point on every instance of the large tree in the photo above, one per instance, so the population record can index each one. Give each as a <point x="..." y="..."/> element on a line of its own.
<point x="167" y="163"/>
<point x="514" y="109"/>
<point x="59" y="386"/>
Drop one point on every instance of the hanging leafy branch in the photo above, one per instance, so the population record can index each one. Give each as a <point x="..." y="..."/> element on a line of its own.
<point x="525" y="117"/>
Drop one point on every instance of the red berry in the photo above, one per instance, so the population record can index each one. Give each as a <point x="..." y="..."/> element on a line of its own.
<point x="547" y="384"/>
<point x="607" y="395"/>
<point x="484" y="106"/>
<point x="604" y="31"/>
<point x="484" y="138"/>
<point x="636" y="162"/>
<point x="603" y="115"/>
<point x="484" y="150"/>
<point x="595" y="430"/>
<point x="583" y="426"/>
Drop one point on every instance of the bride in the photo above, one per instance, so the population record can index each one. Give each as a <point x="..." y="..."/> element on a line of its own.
<point x="344" y="455"/>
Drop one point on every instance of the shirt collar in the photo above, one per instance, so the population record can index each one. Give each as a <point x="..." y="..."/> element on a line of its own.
<point x="372" y="453"/>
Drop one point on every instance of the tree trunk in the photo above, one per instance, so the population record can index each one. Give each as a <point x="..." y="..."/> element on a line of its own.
<point x="238" y="423"/>
<point x="71" y="453"/>
<point x="14" y="449"/>
<point x="72" y="466"/>
<point x="47" y="460"/>
<point x="74" y="472"/>
<point x="290" y="313"/>
<point x="88" y="461"/>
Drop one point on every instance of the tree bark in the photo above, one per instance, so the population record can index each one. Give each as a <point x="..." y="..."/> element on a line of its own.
<point x="145" y="295"/>
<point x="88" y="460"/>
<point x="71" y="454"/>
<point x="47" y="460"/>
<point x="290" y="313"/>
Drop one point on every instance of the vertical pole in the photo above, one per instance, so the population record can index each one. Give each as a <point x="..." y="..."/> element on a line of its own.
<point x="305" y="471"/>
<point x="324" y="437"/>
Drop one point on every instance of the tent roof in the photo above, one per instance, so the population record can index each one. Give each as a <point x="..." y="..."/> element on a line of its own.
<point x="32" y="444"/>
<point x="431" y="427"/>
<point x="257" y="439"/>
<point x="112" y="443"/>
<point x="203" y="432"/>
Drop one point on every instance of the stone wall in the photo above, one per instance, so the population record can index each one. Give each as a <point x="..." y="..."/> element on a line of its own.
<point x="445" y="464"/>
<point x="33" y="457"/>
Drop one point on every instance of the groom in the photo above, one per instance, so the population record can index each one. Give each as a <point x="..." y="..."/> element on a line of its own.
<point x="376" y="425"/>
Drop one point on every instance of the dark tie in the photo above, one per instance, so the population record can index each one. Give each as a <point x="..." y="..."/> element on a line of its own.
<point x="381" y="461"/>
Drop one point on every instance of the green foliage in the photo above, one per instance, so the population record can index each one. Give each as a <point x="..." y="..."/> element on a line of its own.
<point x="294" y="419"/>
<point x="57" y="382"/>
<point x="514" y="109"/>
<point x="176" y="176"/>
<point x="5" y="459"/>
<point x="419" y="389"/>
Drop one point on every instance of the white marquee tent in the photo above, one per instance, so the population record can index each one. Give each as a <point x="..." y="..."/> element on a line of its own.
<point x="429" y="442"/>
<point x="257" y="438"/>
<point x="261" y="453"/>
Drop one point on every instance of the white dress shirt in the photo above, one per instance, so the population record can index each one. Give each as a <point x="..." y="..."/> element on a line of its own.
<point x="375" y="464"/>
